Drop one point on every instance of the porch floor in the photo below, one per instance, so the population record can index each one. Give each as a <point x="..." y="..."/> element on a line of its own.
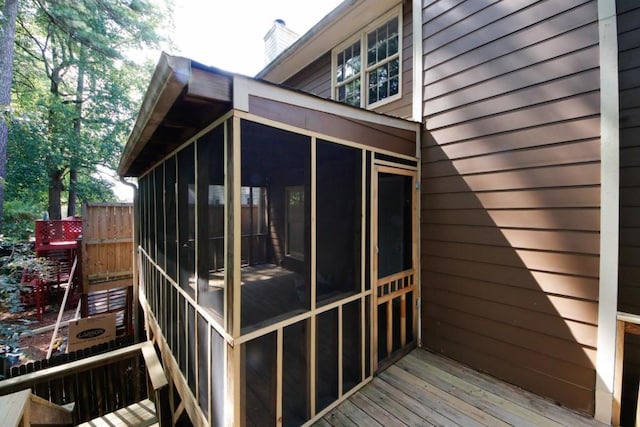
<point x="425" y="389"/>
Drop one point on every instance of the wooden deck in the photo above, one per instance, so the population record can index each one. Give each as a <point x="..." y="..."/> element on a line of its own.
<point x="423" y="389"/>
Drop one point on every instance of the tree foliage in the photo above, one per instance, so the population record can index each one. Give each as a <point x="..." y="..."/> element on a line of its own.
<point x="8" y="16"/>
<point x="75" y="95"/>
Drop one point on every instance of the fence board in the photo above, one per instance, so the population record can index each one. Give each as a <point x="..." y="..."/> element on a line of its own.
<point x="107" y="259"/>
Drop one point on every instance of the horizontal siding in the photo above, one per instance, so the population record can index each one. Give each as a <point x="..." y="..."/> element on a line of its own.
<point x="511" y="191"/>
<point x="629" y="69"/>
<point x="628" y="23"/>
<point x="316" y="77"/>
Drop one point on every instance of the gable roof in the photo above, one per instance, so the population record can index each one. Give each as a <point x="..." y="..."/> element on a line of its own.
<point x="183" y="97"/>
<point x="346" y="19"/>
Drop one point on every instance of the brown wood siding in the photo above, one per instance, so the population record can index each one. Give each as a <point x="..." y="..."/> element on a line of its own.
<point x="629" y="244"/>
<point x="629" y="71"/>
<point x="511" y="191"/>
<point x="368" y="134"/>
<point x="316" y="77"/>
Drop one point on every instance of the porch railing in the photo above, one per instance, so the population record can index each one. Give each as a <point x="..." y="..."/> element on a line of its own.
<point x="101" y="384"/>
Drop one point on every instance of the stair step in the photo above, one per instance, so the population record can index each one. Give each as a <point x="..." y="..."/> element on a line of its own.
<point x="25" y="408"/>
<point x="141" y="414"/>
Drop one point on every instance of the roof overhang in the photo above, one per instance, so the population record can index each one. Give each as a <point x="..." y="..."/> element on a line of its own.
<point x="185" y="97"/>
<point x="345" y="20"/>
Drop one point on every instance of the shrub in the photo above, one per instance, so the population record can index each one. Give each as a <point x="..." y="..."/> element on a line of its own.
<point x="18" y="221"/>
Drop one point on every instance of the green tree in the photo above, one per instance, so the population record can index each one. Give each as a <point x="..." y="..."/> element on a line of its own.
<point x="77" y="91"/>
<point x="7" y="35"/>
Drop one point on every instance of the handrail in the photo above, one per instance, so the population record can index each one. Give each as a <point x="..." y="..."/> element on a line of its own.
<point x="395" y="276"/>
<point x="29" y="380"/>
<point x="159" y="383"/>
<point x="628" y="317"/>
<point x="157" y="378"/>
<point x="626" y="323"/>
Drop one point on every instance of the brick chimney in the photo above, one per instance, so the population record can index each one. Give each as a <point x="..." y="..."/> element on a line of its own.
<point x="277" y="39"/>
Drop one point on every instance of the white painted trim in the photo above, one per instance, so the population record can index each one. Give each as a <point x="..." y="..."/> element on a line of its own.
<point x="609" y="210"/>
<point x="417" y="61"/>
<point x="240" y="93"/>
<point x="304" y="100"/>
<point x="361" y="35"/>
<point x="629" y="318"/>
<point x="317" y="135"/>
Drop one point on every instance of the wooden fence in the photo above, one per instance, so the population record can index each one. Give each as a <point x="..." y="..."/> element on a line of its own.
<point x="106" y="254"/>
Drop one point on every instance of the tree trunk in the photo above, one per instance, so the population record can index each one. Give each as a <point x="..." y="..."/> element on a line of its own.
<point x="7" y="35"/>
<point x="77" y="128"/>
<point x="55" y="191"/>
<point x="73" y="192"/>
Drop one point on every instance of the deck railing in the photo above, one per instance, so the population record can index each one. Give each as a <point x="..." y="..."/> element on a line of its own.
<point x="52" y="232"/>
<point x="100" y="384"/>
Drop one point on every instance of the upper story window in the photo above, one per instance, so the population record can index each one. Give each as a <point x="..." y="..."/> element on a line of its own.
<point x="367" y="69"/>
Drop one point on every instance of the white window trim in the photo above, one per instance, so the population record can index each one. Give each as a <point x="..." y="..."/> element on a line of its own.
<point x="361" y="35"/>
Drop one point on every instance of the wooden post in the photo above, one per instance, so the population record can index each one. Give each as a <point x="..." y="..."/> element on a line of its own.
<point x="617" y="381"/>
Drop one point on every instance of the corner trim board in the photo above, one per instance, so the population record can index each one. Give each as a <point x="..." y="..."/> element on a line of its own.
<point x="609" y="210"/>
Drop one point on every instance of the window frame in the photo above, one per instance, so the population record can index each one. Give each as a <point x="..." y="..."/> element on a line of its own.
<point x="361" y="37"/>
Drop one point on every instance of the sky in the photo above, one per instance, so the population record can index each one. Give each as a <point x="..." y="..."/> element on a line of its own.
<point x="229" y="34"/>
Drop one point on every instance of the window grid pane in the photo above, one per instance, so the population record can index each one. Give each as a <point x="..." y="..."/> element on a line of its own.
<point x="384" y="81"/>
<point x="382" y="69"/>
<point x="348" y="69"/>
<point x="382" y="42"/>
<point x="383" y="62"/>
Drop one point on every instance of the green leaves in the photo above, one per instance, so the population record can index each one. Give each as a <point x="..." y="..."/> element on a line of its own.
<point x="75" y="93"/>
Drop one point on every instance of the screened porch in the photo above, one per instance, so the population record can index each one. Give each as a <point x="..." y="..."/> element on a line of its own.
<point x="277" y="244"/>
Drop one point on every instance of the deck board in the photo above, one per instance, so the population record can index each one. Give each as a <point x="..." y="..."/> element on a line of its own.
<point x="427" y="389"/>
<point x="141" y="414"/>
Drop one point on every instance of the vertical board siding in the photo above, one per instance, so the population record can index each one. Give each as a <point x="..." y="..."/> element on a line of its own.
<point x="316" y="77"/>
<point x="511" y="191"/>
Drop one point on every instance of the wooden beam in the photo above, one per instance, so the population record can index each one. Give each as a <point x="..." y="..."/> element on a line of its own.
<point x="166" y="85"/>
<point x="154" y="367"/>
<point x="631" y="328"/>
<point x="279" y="372"/>
<point x="617" y="380"/>
<point x="403" y="320"/>
<point x="205" y="84"/>
<point x="637" y="424"/>
<point x="389" y="327"/>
